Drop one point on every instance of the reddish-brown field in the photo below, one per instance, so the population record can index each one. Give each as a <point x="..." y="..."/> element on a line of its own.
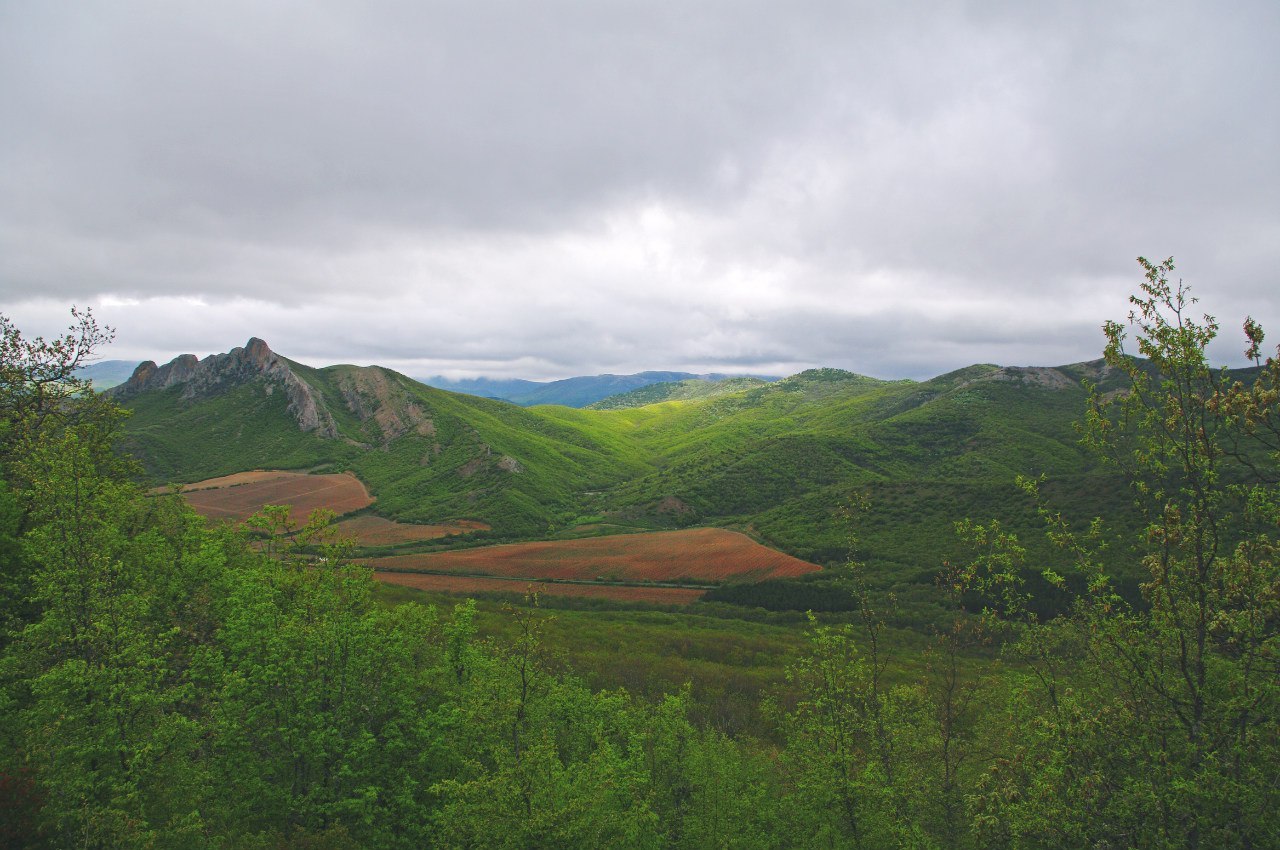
<point x="256" y="476"/>
<point x="701" y="554"/>
<point x="376" y="531"/>
<point x="470" y="584"/>
<point x="236" y="497"/>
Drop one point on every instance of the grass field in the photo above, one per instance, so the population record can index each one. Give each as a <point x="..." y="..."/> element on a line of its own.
<point x="698" y="554"/>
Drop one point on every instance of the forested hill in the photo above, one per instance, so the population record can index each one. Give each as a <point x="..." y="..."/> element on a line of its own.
<point x="779" y="458"/>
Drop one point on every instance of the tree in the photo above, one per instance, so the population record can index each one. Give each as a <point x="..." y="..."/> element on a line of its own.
<point x="38" y="380"/>
<point x="100" y="678"/>
<point x="1170" y="737"/>
<point x="41" y="398"/>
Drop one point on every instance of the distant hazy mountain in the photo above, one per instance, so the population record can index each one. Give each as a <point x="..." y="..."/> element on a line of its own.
<point x="570" y="392"/>
<point x="107" y="373"/>
<point x="484" y="387"/>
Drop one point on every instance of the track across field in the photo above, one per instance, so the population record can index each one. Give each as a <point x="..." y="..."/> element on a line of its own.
<point x="472" y="584"/>
<point x="698" y="554"/>
<point x="238" y="479"/>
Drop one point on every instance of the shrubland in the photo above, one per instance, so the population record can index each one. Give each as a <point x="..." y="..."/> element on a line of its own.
<point x="164" y="684"/>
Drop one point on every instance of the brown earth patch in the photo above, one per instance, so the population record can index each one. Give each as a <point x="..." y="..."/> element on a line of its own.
<point x="470" y="584"/>
<point x="700" y="554"/>
<point x="672" y="505"/>
<point x="376" y="531"/>
<point x="236" y="497"/>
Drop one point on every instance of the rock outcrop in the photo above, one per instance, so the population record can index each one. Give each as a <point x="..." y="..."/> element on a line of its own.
<point x="218" y="373"/>
<point x="372" y="394"/>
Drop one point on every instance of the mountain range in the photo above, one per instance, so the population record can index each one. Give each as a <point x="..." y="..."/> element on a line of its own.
<point x="776" y="459"/>
<point x="580" y="391"/>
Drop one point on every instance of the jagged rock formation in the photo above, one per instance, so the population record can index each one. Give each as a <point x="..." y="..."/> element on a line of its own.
<point x="221" y="372"/>
<point x="372" y="394"/>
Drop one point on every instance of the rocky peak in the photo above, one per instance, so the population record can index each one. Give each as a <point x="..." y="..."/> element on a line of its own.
<point x="257" y="351"/>
<point x="373" y="395"/>
<point x="219" y="373"/>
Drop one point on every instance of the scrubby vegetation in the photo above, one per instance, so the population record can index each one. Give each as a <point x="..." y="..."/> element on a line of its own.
<point x="163" y="684"/>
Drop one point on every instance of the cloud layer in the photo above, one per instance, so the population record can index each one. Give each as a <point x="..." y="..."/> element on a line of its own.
<point x="553" y="188"/>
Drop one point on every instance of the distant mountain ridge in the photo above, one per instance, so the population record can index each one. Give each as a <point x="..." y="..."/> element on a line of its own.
<point x="107" y="373"/>
<point x="580" y="391"/>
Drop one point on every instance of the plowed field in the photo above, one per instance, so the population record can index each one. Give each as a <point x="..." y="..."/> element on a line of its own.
<point x="236" y="497"/>
<point x="256" y="476"/>
<point x="703" y="554"/>
<point x="376" y="531"/>
<point x="469" y="584"/>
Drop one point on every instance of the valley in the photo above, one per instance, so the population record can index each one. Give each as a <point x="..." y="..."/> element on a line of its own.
<point x="658" y="567"/>
<point x="779" y="460"/>
<point x="778" y="592"/>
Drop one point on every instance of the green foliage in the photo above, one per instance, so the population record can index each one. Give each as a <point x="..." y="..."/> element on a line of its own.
<point x="164" y="684"/>
<point x="773" y="457"/>
<point x="785" y="595"/>
<point x="244" y="428"/>
<point x="38" y="381"/>
<point x="1169" y="733"/>
<point x="688" y="390"/>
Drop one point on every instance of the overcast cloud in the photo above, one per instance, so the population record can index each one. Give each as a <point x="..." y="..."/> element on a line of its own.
<point x="544" y="189"/>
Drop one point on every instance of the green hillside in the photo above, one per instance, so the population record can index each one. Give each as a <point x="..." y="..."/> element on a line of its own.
<point x="426" y="454"/>
<point x="694" y="388"/>
<point x="779" y="460"/>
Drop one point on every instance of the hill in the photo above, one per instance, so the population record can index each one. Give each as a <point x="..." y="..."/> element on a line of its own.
<point x="107" y="373"/>
<point x="571" y="392"/>
<point x="425" y="453"/>
<point x="778" y="460"/>
<point x="686" y="390"/>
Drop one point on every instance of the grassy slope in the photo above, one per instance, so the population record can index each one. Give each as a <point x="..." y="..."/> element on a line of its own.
<point x="783" y="459"/>
<point x="452" y="473"/>
<point x="696" y="388"/>
<point x="778" y="459"/>
<point x="243" y="429"/>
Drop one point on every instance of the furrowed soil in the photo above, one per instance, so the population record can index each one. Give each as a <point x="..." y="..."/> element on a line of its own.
<point x="236" y="497"/>
<point x="471" y="584"/>
<point x="698" y="554"/>
<point x="376" y="531"/>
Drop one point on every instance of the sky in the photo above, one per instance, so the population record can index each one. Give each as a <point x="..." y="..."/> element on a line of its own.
<point x="541" y="189"/>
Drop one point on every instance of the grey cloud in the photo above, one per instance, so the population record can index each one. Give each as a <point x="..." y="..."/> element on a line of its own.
<point x="891" y="188"/>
